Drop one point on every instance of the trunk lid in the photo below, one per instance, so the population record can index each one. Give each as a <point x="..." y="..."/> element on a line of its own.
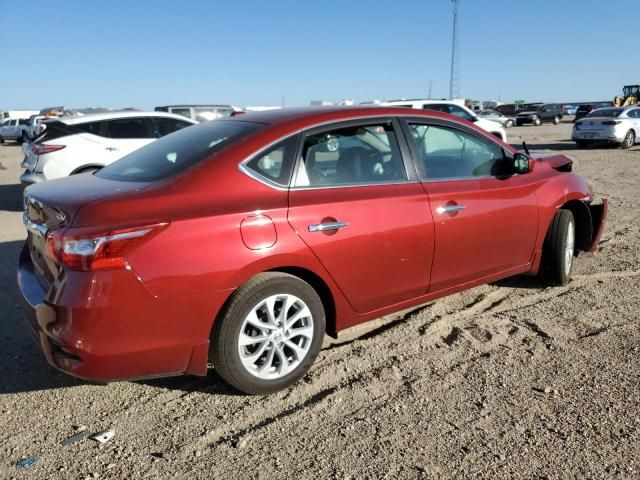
<point x="52" y="205"/>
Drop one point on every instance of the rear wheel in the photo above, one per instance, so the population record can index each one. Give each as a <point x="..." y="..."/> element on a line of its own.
<point x="536" y="122"/>
<point x="558" y="249"/>
<point x="509" y="124"/>
<point x="556" y="120"/>
<point x="269" y="334"/>
<point x="629" y="140"/>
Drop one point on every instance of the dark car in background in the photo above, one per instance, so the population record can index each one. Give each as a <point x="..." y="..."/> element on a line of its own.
<point x="586" y="108"/>
<point x="537" y="114"/>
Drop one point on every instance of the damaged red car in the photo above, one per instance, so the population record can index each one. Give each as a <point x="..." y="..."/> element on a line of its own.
<point x="242" y="242"/>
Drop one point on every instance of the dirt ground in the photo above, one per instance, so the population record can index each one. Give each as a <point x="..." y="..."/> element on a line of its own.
<point x="509" y="380"/>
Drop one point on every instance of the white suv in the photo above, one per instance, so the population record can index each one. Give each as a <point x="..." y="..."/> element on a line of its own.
<point x="452" y="108"/>
<point x="87" y="143"/>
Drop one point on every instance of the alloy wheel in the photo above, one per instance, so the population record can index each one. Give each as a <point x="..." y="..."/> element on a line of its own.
<point x="275" y="336"/>
<point x="568" y="248"/>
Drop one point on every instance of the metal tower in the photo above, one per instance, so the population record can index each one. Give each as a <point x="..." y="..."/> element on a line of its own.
<point x="454" y="82"/>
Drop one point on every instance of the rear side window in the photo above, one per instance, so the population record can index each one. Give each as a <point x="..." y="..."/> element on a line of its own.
<point x="129" y="128"/>
<point x="358" y="155"/>
<point x="438" y="107"/>
<point x="94" y="128"/>
<point x="277" y="162"/>
<point x="175" y="153"/>
<point x="165" y="126"/>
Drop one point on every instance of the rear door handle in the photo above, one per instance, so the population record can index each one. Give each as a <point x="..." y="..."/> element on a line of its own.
<point x="449" y="208"/>
<point x="323" y="227"/>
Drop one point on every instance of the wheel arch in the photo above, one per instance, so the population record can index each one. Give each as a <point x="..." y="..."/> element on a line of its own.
<point x="86" y="167"/>
<point x="323" y="291"/>
<point x="583" y="223"/>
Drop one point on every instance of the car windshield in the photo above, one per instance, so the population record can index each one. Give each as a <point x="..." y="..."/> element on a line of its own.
<point x="606" y="112"/>
<point x="178" y="151"/>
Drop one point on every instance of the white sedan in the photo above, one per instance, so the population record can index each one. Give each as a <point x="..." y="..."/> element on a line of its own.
<point x="87" y="143"/>
<point x="619" y="126"/>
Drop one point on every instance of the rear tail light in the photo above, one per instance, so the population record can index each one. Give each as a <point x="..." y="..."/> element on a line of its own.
<point x="612" y="122"/>
<point x="98" y="251"/>
<point x="41" y="149"/>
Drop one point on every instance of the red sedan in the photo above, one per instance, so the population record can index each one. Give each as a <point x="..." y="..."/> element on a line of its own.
<point x="243" y="241"/>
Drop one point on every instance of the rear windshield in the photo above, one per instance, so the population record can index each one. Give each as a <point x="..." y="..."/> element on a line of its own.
<point x="606" y="112"/>
<point x="178" y="151"/>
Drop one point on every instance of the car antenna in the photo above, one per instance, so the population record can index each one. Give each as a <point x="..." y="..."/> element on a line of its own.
<point x="526" y="149"/>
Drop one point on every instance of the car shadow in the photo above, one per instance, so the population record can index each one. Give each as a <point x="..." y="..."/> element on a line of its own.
<point x="11" y="197"/>
<point x="22" y="365"/>
<point x="520" y="281"/>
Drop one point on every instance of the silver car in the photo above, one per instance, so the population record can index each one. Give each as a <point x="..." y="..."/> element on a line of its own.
<point x="496" y="116"/>
<point x="617" y="125"/>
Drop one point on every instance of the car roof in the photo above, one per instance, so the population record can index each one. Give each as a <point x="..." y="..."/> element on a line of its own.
<point x="308" y="116"/>
<point x="93" y="117"/>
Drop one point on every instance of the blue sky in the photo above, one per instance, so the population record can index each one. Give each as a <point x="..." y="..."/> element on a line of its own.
<point x="145" y="53"/>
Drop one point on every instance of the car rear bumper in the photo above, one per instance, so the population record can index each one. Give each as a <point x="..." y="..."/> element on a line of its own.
<point x="109" y="327"/>
<point x="600" y="136"/>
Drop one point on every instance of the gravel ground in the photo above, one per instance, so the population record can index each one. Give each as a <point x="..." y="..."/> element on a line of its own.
<point x="508" y="380"/>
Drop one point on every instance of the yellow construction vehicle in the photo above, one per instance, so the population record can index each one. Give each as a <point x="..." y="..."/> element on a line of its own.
<point x="630" y="96"/>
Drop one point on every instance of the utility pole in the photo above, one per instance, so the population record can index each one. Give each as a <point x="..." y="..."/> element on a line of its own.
<point x="454" y="82"/>
<point x="430" y="83"/>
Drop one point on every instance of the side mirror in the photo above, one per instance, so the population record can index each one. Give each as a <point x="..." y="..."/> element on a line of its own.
<point x="521" y="163"/>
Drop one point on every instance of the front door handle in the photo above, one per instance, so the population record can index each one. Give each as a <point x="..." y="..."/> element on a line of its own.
<point x="111" y="149"/>
<point x="449" y="208"/>
<point x="323" y="227"/>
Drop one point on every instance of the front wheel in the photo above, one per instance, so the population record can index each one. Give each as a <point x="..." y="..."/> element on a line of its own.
<point x="509" y="124"/>
<point x="269" y="334"/>
<point x="629" y="140"/>
<point x="556" y="120"/>
<point x="536" y="122"/>
<point x="558" y="250"/>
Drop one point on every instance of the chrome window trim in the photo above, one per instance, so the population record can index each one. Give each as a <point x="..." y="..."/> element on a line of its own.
<point x="276" y="186"/>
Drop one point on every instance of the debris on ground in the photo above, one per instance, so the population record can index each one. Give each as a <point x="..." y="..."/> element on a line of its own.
<point x="27" y="462"/>
<point x="103" y="436"/>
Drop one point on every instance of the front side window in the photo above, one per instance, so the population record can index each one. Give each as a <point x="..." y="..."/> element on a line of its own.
<point x="449" y="153"/>
<point x="357" y="155"/>
<point x="170" y="155"/>
<point x="165" y="126"/>
<point x="460" y="112"/>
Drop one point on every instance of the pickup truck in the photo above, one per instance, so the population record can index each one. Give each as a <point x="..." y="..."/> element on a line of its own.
<point x="13" y="129"/>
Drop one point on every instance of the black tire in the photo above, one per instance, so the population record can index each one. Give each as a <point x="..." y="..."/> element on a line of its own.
<point x="556" y="120"/>
<point x="19" y="140"/>
<point x="629" y="140"/>
<point x="553" y="266"/>
<point x="581" y="144"/>
<point x="508" y="124"/>
<point x="537" y="122"/>
<point x="1" y="140"/>
<point x="227" y="329"/>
